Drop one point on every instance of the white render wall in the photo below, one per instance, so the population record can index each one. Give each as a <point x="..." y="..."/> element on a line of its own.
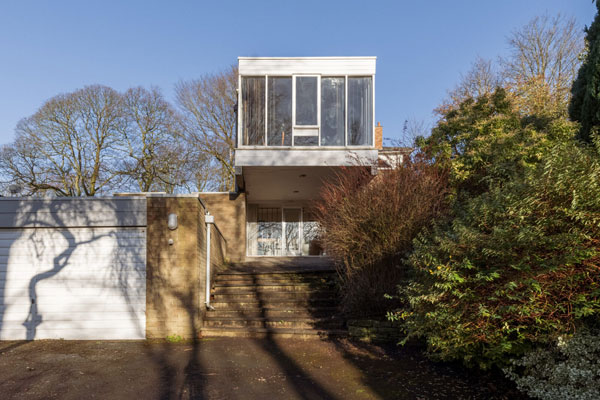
<point x="72" y="268"/>
<point x="308" y="157"/>
<point x="307" y="65"/>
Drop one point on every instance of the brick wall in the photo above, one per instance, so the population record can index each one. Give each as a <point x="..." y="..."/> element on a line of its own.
<point x="174" y="279"/>
<point x="379" y="136"/>
<point x="229" y="210"/>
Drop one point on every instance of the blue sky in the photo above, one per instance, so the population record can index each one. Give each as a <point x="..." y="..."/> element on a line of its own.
<point x="51" y="47"/>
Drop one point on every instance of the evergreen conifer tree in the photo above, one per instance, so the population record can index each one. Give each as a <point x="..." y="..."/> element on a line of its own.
<point x="585" y="101"/>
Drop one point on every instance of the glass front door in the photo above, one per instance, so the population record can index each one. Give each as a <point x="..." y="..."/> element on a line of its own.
<point x="291" y="228"/>
<point x="281" y="231"/>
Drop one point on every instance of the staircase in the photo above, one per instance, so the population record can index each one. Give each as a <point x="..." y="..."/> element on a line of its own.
<point x="274" y="302"/>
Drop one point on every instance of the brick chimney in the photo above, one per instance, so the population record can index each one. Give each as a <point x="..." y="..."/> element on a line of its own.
<point x="379" y="136"/>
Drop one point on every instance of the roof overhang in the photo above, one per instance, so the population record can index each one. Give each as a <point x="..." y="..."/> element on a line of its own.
<point x="307" y="65"/>
<point x="317" y="157"/>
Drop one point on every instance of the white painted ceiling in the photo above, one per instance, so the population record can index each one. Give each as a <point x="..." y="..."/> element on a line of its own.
<point x="285" y="183"/>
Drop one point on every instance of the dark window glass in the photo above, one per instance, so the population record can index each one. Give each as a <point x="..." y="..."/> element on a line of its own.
<point x="306" y="100"/>
<point x="306" y="141"/>
<point x="253" y="111"/>
<point x="280" y="112"/>
<point x="360" y="111"/>
<point x="332" y="112"/>
<point x="310" y="234"/>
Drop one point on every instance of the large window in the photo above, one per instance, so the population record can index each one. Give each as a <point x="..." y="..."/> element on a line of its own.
<point x="360" y="111"/>
<point x="253" y="110"/>
<point x="333" y="104"/>
<point x="281" y="231"/>
<point x="280" y="112"/>
<point x="307" y="111"/>
<point x="306" y="100"/>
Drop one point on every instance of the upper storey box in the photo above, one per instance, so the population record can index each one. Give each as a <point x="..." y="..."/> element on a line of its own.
<point x="305" y="103"/>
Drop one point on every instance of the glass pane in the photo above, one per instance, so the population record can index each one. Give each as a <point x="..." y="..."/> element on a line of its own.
<point x="268" y="235"/>
<point x="306" y="100"/>
<point x="306" y="140"/>
<point x="311" y="245"/>
<point x="291" y="217"/>
<point x="332" y="111"/>
<point x="252" y="229"/>
<point x="253" y="111"/>
<point x="360" y="111"/>
<point x="280" y="112"/>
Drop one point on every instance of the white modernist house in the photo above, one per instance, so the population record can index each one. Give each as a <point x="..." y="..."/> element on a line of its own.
<point x="299" y="120"/>
<point x="76" y="268"/>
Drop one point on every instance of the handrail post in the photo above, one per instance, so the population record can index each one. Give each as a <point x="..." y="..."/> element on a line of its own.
<point x="209" y="220"/>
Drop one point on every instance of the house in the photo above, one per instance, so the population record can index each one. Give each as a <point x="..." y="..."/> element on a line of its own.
<point x="300" y="119"/>
<point x="151" y="265"/>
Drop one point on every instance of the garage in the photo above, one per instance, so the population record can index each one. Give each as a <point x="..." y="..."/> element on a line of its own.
<point x="72" y="268"/>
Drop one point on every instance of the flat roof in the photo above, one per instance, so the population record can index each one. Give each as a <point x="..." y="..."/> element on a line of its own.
<point x="357" y="66"/>
<point x="310" y="58"/>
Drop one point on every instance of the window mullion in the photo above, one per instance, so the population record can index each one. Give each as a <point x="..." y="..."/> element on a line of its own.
<point x="373" y="111"/>
<point x="266" y="110"/>
<point x="293" y="107"/>
<point x="319" y="108"/>
<point x="346" y="110"/>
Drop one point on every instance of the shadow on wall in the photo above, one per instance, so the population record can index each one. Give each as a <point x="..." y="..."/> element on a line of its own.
<point x="175" y="267"/>
<point x="72" y="268"/>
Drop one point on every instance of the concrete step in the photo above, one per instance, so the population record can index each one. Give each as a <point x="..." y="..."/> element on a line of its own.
<point x="289" y="276"/>
<point x="253" y="304"/>
<point x="288" y="322"/>
<point x="273" y="281"/>
<point x="275" y="303"/>
<point x="274" y="332"/>
<point x="272" y="313"/>
<point x="272" y="296"/>
<point x="291" y="287"/>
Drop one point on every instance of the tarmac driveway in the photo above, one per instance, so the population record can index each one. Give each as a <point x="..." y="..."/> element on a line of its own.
<point x="235" y="368"/>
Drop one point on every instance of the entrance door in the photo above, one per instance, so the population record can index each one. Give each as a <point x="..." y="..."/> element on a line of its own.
<point x="292" y="219"/>
<point x="281" y="231"/>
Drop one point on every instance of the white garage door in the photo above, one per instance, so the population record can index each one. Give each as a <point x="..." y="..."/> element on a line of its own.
<point x="72" y="282"/>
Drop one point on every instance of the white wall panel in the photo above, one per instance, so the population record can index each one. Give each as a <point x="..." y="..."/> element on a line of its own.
<point x="307" y="65"/>
<point x="73" y="283"/>
<point x="72" y="212"/>
<point x="303" y="157"/>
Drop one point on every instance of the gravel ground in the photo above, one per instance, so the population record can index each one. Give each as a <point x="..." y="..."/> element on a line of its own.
<point x="235" y="368"/>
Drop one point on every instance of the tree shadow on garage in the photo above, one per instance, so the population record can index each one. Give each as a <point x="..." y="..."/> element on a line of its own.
<point x="50" y="232"/>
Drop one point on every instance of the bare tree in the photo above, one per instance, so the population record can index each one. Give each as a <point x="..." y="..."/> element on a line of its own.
<point x="189" y="170"/>
<point x="412" y="130"/>
<point x="481" y="79"/>
<point x="209" y="119"/>
<point x="69" y="146"/>
<point x="543" y="62"/>
<point x="153" y="141"/>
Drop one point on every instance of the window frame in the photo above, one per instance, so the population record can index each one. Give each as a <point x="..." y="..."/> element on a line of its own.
<point x="318" y="99"/>
<point x="296" y="129"/>
<point x="267" y="113"/>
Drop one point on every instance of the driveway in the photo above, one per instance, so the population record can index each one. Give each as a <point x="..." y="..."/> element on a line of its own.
<point x="235" y="368"/>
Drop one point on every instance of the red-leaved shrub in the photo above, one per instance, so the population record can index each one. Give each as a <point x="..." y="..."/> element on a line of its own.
<point x="369" y="223"/>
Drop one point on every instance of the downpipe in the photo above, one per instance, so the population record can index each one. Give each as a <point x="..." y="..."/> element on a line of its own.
<point x="209" y="220"/>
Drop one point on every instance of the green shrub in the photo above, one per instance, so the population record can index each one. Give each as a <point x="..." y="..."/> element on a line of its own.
<point x="487" y="141"/>
<point x="174" y="338"/>
<point x="568" y="369"/>
<point x="369" y="224"/>
<point x="517" y="266"/>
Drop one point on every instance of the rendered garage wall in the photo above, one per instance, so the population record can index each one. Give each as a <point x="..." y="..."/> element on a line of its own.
<point x="72" y="268"/>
